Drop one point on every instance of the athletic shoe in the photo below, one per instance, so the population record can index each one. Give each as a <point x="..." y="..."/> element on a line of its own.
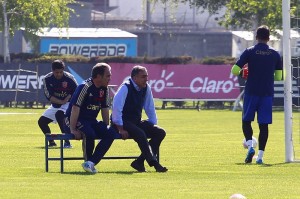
<point x="52" y="144"/>
<point x="259" y="161"/>
<point x="88" y="166"/>
<point x="250" y="155"/>
<point x="138" y="166"/>
<point x="67" y="145"/>
<point x="160" y="168"/>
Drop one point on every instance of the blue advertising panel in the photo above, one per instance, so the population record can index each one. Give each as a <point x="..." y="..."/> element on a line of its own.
<point x="90" y="47"/>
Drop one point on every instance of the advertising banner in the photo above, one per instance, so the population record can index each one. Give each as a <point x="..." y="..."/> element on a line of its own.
<point x="92" y="47"/>
<point x="23" y="82"/>
<point x="178" y="82"/>
<point x="211" y="82"/>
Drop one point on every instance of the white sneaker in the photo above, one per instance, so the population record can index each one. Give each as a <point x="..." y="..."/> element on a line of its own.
<point x="89" y="166"/>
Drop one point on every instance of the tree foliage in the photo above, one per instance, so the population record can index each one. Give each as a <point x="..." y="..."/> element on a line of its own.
<point x="249" y="15"/>
<point x="35" y="14"/>
<point x="213" y="6"/>
<point x="245" y="14"/>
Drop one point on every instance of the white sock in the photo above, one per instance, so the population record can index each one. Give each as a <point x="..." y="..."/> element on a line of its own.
<point x="260" y="154"/>
<point x="91" y="163"/>
<point x="249" y="144"/>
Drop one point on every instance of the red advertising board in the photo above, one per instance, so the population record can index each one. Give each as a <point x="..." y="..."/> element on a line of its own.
<point x="176" y="82"/>
<point x="194" y="81"/>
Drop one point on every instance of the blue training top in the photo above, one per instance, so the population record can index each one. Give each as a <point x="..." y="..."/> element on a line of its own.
<point x="90" y="99"/>
<point x="262" y="62"/>
<point x="59" y="88"/>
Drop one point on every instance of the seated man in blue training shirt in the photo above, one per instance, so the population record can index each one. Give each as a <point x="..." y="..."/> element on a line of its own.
<point x="59" y="86"/>
<point x="89" y="98"/>
<point x="264" y="66"/>
<point x="131" y="98"/>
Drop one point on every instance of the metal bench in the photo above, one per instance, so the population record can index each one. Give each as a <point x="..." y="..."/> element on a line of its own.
<point x="61" y="158"/>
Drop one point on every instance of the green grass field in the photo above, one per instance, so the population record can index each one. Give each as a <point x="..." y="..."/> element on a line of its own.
<point x="203" y="152"/>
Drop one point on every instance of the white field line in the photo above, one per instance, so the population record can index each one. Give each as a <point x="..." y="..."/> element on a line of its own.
<point x="16" y="113"/>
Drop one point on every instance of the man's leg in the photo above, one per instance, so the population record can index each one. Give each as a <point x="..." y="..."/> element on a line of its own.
<point x="43" y="123"/>
<point x="262" y="141"/>
<point x="156" y="135"/>
<point x="60" y="115"/>
<point x="88" y="144"/>
<point x="107" y="137"/>
<point x="264" y="117"/>
<point x="247" y="130"/>
<point x="90" y="136"/>
<point x="140" y="137"/>
<point x="249" y="108"/>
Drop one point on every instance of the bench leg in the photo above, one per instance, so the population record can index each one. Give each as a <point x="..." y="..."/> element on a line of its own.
<point x="61" y="156"/>
<point x="46" y="154"/>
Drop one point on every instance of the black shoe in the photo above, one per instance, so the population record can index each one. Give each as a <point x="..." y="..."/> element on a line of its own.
<point x="52" y="144"/>
<point x="138" y="166"/>
<point x="160" y="168"/>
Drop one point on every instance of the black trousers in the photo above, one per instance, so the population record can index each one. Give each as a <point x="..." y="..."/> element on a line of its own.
<point x="140" y="132"/>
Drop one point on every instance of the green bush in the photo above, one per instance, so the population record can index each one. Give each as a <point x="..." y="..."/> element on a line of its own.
<point x="46" y="58"/>
<point x="218" y="60"/>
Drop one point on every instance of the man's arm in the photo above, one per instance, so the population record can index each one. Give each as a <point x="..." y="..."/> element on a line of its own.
<point x="118" y="104"/>
<point x="150" y="107"/>
<point x="73" y="121"/>
<point x="55" y="100"/>
<point x="105" y="115"/>
<point x="117" y="108"/>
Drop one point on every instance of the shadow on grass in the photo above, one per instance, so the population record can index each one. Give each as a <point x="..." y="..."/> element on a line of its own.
<point x="262" y="165"/>
<point x="106" y="172"/>
<point x="52" y="148"/>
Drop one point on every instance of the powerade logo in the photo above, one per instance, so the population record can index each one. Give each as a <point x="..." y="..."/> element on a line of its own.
<point x="24" y="82"/>
<point x="27" y="82"/>
<point x="89" y="50"/>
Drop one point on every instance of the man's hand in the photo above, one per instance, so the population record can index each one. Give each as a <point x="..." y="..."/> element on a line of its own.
<point x="66" y="99"/>
<point x="124" y="134"/>
<point x="76" y="133"/>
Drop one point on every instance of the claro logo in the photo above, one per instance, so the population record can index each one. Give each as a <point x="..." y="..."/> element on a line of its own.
<point x="89" y="50"/>
<point x="197" y="85"/>
<point x="206" y="85"/>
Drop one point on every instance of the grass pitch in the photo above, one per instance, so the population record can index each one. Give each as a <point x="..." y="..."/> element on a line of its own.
<point x="202" y="150"/>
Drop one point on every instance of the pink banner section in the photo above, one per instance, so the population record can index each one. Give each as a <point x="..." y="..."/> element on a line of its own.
<point x="193" y="81"/>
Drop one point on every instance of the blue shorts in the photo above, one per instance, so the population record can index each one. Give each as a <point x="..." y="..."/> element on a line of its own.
<point x="93" y="129"/>
<point x="261" y="105"/>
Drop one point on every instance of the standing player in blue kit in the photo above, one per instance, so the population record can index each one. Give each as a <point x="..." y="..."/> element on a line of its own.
<point x="264" y="66"/>
<point x="59" y="86"/>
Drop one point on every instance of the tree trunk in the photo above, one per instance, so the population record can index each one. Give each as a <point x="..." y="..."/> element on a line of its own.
<point x="6" y="55"/>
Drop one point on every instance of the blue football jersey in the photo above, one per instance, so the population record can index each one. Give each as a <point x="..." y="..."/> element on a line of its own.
<point x="59" y="88"/>
<point x="90" y="99"/>
<point x="262" y="62"/>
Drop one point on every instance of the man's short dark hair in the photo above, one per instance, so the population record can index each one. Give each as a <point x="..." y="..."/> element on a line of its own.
<point x="263" y="33"/>
<point x="99" y="69"/>
<point x="136" y="69"/>
<point x="58" y="64"/>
